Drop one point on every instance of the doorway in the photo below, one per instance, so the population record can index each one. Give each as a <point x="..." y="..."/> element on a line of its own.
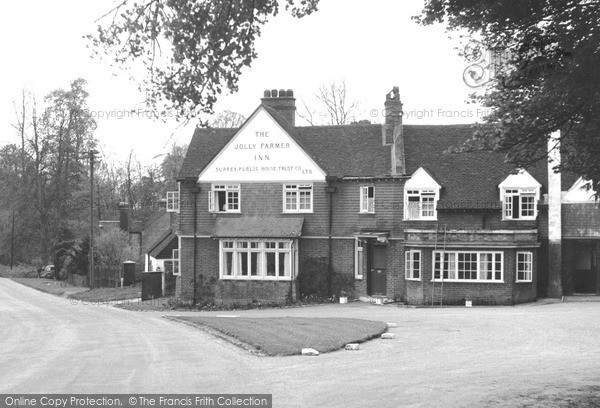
<point x="377" y="260"/>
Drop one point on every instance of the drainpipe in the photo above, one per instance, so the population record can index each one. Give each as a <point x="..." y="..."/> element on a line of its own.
<point x="195" y="190"/>
<point x="330" y="190"/>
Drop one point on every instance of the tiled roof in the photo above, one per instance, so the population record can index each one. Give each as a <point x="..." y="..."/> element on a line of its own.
<point x="161" y="243"/>
<point x="342" y="151"/>
<point x="469" y="179"/>
<point x="258" y="227"/>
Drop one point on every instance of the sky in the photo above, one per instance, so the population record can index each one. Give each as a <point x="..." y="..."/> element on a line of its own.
<point x="371" y="47"/>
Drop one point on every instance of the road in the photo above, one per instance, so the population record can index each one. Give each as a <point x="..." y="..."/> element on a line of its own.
<point x="500" y="356"/>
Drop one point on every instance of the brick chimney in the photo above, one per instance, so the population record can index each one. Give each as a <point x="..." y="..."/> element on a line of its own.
<point x="283" y="102"/>
<point x="392" y="130"/>
<point x="123" y="216"/>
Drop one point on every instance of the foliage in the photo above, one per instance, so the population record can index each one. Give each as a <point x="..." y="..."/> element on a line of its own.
<point x="549" y="82"/>
<point x="227" y="119"/>
<point x="190" y="50"/>
<point x="112" y="248"/>
<point x="71" y="256"/>
<point x="44" y="171"/>
<point x="312" y="281"/>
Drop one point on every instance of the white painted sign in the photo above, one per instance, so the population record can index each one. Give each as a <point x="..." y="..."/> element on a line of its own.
<point x="262" y="151"/>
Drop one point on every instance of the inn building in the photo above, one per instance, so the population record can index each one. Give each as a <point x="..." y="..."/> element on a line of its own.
<point x="271" y="212"/>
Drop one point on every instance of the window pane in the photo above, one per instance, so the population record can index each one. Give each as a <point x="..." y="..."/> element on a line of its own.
<point x="270" y="263"/>
<point x="242" y="263"/>
<point x="305" y="200"/>
<point x="227" y="263"/>
<point x="428" y="206"/>
<point x="221" y="201"/>
<point x="254" y="263"/>
<point x="233" y="201"/>
<point x="467" y="266"/>
<point x="527" y="206"/>
<point x="283" y="263"/>
<point x="290" y="200"/>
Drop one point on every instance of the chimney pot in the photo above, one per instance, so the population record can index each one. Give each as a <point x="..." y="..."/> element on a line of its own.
<point x="283" y="102"/>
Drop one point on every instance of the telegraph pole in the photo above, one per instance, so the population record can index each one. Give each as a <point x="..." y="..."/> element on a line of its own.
<point x="91" y="253"/>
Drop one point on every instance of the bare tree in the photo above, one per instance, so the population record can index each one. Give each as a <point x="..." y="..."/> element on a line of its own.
<point x="334" y="107"/>
<point x="227" y="119"/>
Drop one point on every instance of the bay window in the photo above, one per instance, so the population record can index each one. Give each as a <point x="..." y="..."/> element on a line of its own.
<point x="468" y="266"/>
<point x="251" y="259"/>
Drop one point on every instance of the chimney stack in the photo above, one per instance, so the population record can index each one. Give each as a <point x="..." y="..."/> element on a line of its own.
<point x="283" y="102"/>
<point x="392" y="131"/>
<point x="123" y="216"/>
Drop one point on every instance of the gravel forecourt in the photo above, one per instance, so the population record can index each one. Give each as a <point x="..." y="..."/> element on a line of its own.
<point x="530" y="355"/>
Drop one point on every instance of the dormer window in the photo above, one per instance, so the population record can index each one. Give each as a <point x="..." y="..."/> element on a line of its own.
<point x="519" y="204"/>
<point x="519" y="194"/>
<point x="421" y="194"/>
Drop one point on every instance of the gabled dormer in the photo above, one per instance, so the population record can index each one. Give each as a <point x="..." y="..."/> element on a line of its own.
<point x="421" y="196"/>
<point x="520" y="193"/>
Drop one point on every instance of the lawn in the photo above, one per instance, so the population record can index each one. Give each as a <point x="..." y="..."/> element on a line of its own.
<point x="108" y="294"/>
<point x="286" y="336"/>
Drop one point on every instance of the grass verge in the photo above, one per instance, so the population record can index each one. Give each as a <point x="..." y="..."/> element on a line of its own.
<point x="286" y="336"/>
<point x="53" y="287"/>
<point x="18" y="271"/>
<point x="108" y="294"/>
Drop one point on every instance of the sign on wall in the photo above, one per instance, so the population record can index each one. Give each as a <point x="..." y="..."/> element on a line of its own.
<point x="262" y="151"/>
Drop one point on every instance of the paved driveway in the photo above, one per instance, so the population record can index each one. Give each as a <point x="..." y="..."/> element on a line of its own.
<point x="534" y="355"/>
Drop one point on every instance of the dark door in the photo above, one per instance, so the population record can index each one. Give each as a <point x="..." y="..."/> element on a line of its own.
<point x="378" y="272"/>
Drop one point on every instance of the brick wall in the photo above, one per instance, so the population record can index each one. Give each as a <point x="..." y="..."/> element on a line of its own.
<point x="347" y="218"/>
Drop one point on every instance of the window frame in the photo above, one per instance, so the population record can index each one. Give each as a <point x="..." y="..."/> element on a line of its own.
<point x="227" y="189"/>
<point x="359" y="258"/>
<point x="367" y="204"/>
<point x="173" y="201"/>
<point x="456" y="262"/>
<point x="175" y="256"/>
<point x="236" y="248"/>
<point x="421" y="193"/>
<point x="526" y="262"/>
<point x="409" y="265"/>
<point x="508" y="203"/>
<point x="296" y="190"/>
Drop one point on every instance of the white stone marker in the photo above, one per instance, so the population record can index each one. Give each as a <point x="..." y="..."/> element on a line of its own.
<point x="352" y="346"/>
<point x="388" y="336"/>
<point x="309" y="352"/>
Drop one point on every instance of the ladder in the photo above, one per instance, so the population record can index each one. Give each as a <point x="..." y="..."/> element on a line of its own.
<point x="442" y="256"/>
